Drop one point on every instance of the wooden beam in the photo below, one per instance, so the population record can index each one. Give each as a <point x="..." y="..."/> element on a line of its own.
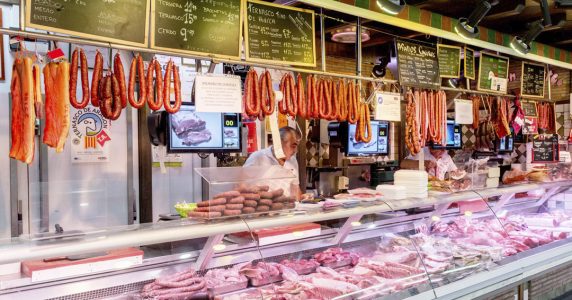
<point x="507" y="13"/>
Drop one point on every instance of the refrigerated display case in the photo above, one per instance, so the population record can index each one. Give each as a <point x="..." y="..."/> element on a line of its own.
<point x="467" y="244"/>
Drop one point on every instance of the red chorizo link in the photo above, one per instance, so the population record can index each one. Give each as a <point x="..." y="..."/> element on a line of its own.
<point x="292" y="99"/>
<point x="120" y="74"/>
<point x="155" y="96"/>
<point x="115" y="106"/>
<point x="105" y="95"/>
<point x="177" y="89"/>
<point x="78" y="55"/>
<point x="301" y="97"/>
<point x="268" y="99"/>
<point x="137" y="69"/>
<point x="282" y="105"/>
<point x="96" y="78"/>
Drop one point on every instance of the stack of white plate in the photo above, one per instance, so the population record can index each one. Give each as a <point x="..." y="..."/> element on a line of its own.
<point x="392" y="192"/>
<point x="415" y="182"/>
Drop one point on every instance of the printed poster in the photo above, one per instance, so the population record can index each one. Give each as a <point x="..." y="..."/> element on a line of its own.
<point x="90" y="136"/>
<point x="387" y="106"/>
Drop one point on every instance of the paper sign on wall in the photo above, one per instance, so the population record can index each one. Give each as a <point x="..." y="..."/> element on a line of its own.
<point x="90" y="136"/>
<point x="218" y="93"/>
<point x="387" y="106"/>
<point x="530" y="125"/>
<point x="463" y="111"/>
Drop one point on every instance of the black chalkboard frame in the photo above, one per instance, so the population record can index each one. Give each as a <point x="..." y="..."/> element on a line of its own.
<point x="468" y="76"/>
<point x="522" y="80"/>
<point x="483" y="54"/>
<point x="439" y="46"/>
<point x="28" y="23"/>
<point x="554" y="139"/>
<point x="281" y="62"/>
<point x="529" y="104"/>
<point x="198" y="53"/>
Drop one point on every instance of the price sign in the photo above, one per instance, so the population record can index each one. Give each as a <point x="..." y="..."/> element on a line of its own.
<point x="545" y="149"/>
<point x="279" y="34"/>
<point x="418" y="65"/>
<point x="493" y="73"/>
<point x="449" y="61"/>
<point x="469" y="63"/>
<point x="532" y="81"/>
<point x="123" y="21"/>
<point x="206" y="27"/>
<point x="529" y="109"/>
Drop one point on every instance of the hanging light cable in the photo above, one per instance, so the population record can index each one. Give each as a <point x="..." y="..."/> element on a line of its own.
<point x="392" y="7"/>
<point x="467" y="27"/>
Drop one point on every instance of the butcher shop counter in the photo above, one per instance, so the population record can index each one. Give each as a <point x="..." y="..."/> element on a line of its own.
<point x="470" y="244"/>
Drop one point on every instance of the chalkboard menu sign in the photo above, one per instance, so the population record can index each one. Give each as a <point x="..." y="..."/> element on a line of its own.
<point x="206" y="27"/>
<point x="493" y="73"/>
<point x="545" y="149"/>
<point x="532" y="80"/>
<point x="418" y="65"/>
<point x="469" y="63"/>
<point x="279" y="34"/>
<point x="529" y="109"/>
<point x="123" y="21"/>
<point x="449" y="61"/>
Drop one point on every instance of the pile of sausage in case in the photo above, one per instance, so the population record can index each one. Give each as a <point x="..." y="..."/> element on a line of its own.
<point x="243" y="200"/>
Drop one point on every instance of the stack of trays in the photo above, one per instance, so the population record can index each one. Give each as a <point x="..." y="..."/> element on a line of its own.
<point x="392" y="192"/>
<point x="414" y="182"/>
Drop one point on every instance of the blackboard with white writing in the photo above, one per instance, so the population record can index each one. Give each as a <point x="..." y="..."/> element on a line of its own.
<point x="469" y="63"/>
<point x="207" y="27"/>
<point x="279" y="34"/>
<point x="532" y="80"/>
<point x="124" y="21"/>
<point x="418" y="65"/>
<point x="545" y="149"/>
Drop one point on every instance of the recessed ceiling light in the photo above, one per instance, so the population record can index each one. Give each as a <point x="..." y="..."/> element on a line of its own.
<point x="347" y="35"/>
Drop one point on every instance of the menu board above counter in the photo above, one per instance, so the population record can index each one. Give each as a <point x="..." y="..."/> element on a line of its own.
<point x="449" y="61"/>
<point x="469" y="63"/>
<point x="418" y="65"/>
<point x="532" y="80"/>
<point x="493" y="73"/>
<point x="121" y="21"/>
<point x="545" y="149"/>
<point x="278" y="34"/>
<point x="206" y="28"/>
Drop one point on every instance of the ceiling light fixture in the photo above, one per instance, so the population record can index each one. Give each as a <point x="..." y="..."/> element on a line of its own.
<point x="392" y="7"/>
<point x="347" y="35"/>
<point x="467" y="27"/>
<point x="547" y="19"/>
<point x="522" y="44"/>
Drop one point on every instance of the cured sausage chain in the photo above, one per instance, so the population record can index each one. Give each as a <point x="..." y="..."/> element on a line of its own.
<point x="24" y="88"/>
<point x="412" y="134"/>
<point x="546" y="117"/>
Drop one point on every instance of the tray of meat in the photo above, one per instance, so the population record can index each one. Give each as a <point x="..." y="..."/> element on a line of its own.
<point x="265" y="280"/>
<point x="228" y="287"/>
<point x="302" y="266"/>
<point x="338" y="264"/>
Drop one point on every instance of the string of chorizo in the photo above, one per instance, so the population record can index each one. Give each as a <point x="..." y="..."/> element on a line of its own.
<point x="334" y="101"/>
<point x="352" y="104"/>
<point x="283" y="104"/>
<point x="267" y="97"/>
<point x="291" y="98"/>
<point x="301" y="97"/>
<point x="342" y="91"/>
<point x="120" y="75"/>
<point x="137" y="68"/>
<point x="154" y="94"/>
<point x="311" y="97"/>
<point x="323" y="99"/>
<point x="252" y="94"/>
<point x="476" y="108"/>
<point x="77" y="56"/>
<point x="96" y="78"/>
<point x="411" y="133"/>
<point x="171" y="72"/>
<point x="423" y="119"/>
<point x="109" y="96"/>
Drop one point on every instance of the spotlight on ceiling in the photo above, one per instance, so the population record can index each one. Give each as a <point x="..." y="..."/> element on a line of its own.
<point x="522" y="44"/>
<point x="347" y="34"/>
<point x="392" y="7"/>
<point x="467" y="27"/>
<point x="547" y="19"/>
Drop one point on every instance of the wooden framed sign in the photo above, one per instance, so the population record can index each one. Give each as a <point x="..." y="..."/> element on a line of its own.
<point x="469" y="65"/>
<point x="545" y="149"/>
<point x="493" y="73"/>
<point x="449" y="61"/>
<point x="532" y="80"/>
<point x="529" y="108"/>
<point x="206" y="28"/>
<point x="121" y="21"/>
<point x="279" y="34"/>
<point x="417" y="65"/>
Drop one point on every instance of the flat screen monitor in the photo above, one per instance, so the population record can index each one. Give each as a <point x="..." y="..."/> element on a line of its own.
<point x="505" y="144"/>
<point x="379" y="144"/>
<point x="191" y="131"/>
<point x="454" y="137"/>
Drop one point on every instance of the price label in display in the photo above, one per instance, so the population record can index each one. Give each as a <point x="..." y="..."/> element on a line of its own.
<point x="418" y="65"/>
<point x="218" y="93"/>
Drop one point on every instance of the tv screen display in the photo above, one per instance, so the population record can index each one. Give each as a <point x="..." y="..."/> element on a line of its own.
<point x="192" y="131"/>
<point x="379" y="144"/>
<point x="506" y="144"/>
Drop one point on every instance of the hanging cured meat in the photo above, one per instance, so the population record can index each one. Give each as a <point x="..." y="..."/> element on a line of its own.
<point x="517" y="121"/>
<point x="173" y="71"/>
<point x="110" y="98"/>
<point x="363" y="127"/>
<point x="343" y="107"/>
<point x="268" y="99"/>
<point x="411" y="129"/>
<point x="24" y="93"/>
<point x="546" y="118"/>
<point x="334" y="101"/>
<point x="289" y="103"/>
<point x="312" y="98"/>
<point x="252" y="95"/>
<point x="120" y="75"/>
<point x="79" y="59"/>
<point x="137" y="69"/>
<point x="154" y="94"/>
<point x="96" y="78"/>
<point x="301" y="98"/>
<point x="352" y="103"/>
<point x="476" y="109"/>
<point x="499" y="112"/>
<point x="56" y="82"/>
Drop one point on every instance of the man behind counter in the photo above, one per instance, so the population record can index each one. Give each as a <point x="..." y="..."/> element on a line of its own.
<point x="437" y="162"/>
<point x="290" y="138"/>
